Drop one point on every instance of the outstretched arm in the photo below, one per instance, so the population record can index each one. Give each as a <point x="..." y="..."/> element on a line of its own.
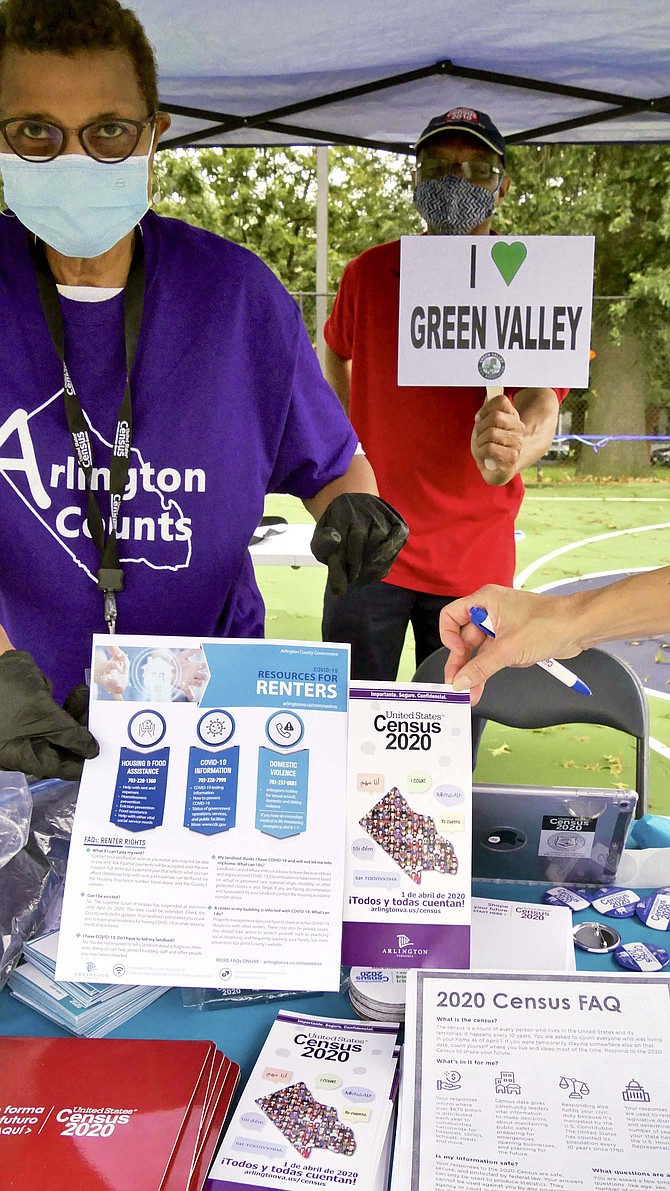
<point x="530" y="628"/>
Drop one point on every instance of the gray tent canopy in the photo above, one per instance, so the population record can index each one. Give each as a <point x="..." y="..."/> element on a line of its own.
<point x="372" y="72"/>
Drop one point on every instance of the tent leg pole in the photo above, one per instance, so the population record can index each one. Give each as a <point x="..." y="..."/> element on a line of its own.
<point x="321" y="247"/>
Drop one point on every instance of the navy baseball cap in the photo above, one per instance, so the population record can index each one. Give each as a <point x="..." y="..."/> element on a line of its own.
<point x="465" y="120"/>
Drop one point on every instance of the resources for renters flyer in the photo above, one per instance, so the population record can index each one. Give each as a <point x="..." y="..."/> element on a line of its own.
<point x="209" y="833"/>
<point x="535" y="1083"/>
<point x="409" y="827"/>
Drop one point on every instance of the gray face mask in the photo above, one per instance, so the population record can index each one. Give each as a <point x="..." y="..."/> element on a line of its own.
<point x="452" y="205"/>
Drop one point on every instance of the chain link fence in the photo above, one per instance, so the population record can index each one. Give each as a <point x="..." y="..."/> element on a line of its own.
<point x="573" y="418"/>
<point x="307" y="303"/>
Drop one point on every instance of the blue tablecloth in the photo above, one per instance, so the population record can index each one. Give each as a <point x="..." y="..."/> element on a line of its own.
<point x="240" y="1031"/>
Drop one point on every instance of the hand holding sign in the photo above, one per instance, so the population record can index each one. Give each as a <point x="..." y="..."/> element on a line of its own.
<point x="497" y="437"/>
<point x="493" y="391"/>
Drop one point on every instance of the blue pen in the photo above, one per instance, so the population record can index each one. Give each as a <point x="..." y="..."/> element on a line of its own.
<point x="480" y="617"/>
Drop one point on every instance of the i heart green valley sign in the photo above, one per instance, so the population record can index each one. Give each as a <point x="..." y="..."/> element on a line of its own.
<point x="484" y="310"/>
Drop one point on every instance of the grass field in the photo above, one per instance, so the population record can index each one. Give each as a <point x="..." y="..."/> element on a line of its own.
<point x="599" y="526"/>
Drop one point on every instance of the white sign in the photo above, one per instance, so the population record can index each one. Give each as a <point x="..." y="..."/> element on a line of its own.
<point x="540" y="1083"/>
<point x="208" y="840"/>
<point x="495" y="310"/>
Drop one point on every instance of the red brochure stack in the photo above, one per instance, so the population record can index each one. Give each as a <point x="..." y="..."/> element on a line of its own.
<point x="111" y="1114"/>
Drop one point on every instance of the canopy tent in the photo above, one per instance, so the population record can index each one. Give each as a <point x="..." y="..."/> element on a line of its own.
<point x="372" y="72"/>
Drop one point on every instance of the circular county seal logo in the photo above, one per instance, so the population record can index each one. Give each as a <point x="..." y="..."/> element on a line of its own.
<point x="491" y="365"/>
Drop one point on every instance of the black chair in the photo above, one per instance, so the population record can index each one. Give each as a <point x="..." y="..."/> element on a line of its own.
<point x="528" y="697"/>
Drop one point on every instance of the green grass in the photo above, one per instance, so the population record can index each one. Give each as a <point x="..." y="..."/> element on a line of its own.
<point x="554" y="756"/>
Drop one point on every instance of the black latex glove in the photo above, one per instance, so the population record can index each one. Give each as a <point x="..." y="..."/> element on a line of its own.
<point x="76" y="704"/>
<point x="36" y="735"/>
<point x="359" y="537"/>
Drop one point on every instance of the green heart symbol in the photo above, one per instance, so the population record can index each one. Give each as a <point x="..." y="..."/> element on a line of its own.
<point x="508" y="259"/>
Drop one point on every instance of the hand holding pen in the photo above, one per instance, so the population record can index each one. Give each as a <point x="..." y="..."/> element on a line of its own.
<point x="527" y="626"/>
<point x="481" y="618"/>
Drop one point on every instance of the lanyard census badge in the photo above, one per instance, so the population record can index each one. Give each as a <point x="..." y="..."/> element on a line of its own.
<point x="110" y="572"/>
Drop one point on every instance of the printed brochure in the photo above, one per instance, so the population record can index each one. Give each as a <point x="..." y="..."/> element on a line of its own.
<point x="208" y="839"/>
<point x="409" y="827"/>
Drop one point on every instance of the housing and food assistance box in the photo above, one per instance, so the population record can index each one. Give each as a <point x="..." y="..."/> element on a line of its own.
<point x="409" y="826"/>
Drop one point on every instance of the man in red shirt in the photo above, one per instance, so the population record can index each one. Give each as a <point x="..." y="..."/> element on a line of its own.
<point x="446" y="458"/>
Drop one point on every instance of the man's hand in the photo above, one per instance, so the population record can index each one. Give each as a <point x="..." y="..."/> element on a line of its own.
<point x="359" y="537"/>
<point x="498" y="436"/>
<point x="36" y="735"/>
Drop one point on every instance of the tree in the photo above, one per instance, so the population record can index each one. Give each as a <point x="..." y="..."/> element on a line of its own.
<point x="620" y="194"/>
<point x="266" y="200"/>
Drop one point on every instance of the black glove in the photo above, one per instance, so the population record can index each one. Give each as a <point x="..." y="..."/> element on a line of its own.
<point x="76" y="704"/>
<point x="36" y="735"/>
<point x="359" y="537"/>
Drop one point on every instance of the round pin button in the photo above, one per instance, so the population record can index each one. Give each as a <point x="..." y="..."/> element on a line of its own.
<point x="613" y="902"/>
<point x="574" y="899"/>
<point x="654" y="910"/>
<point x="641" y="957"/>
<point x="596" y="937"/>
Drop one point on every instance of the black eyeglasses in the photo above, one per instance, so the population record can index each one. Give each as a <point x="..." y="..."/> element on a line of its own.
<point x="108" y="140"/>
<point x="477" y="170"/>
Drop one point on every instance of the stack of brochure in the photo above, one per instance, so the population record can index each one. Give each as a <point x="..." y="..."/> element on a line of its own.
<point x="318" y="1109"/>
<point x="408" y="858"/>
<point x="504" y="934"/>
<point x="113" y="1114"/>
<point x="86" y="1009"/>
<point x="378" y="994"/>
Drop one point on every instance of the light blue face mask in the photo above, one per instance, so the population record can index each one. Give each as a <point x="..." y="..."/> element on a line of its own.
<point x="79" y="206"/>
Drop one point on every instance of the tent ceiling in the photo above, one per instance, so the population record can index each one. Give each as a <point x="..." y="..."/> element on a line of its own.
<point x="272" y="72"/>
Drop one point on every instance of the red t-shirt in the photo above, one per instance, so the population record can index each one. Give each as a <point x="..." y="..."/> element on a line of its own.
<point x="418" y="442"/>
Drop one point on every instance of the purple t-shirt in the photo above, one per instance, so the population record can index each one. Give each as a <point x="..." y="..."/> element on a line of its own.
<point x="228" y="404"/>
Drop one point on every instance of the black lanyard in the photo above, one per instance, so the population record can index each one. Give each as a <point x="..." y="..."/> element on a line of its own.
<point x="110" y="572"/>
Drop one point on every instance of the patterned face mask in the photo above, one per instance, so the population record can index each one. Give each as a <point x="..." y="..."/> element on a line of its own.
<point x="452" y="205"/>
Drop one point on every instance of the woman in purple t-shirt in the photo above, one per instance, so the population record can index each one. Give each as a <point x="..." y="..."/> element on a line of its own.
<point x="157" y="379"/>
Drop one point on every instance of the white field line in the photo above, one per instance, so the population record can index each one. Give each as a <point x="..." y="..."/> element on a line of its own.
<point x="650" y="691"/>
<point x="524" y="575"/>
<point x="659" y="748"/>
<point x="593" y="575"/>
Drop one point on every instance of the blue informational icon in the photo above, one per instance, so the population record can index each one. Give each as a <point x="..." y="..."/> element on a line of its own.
<point x="285" y="729"/>
<point x="216" y="727"/>
<point x="147" y="728"/>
